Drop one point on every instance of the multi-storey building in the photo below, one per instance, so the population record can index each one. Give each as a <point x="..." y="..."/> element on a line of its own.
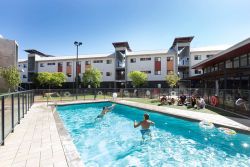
<point x="116" y="66"/>
<point x="8" y="57"/>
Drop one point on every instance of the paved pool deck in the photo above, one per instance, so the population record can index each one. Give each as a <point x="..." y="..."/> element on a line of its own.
<point x="41" y="140"/>
<point x="35" y="141"/>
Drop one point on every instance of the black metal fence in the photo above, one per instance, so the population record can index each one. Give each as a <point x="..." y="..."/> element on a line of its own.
<point x="228" y="100"/>
<point x="12" y="109"/>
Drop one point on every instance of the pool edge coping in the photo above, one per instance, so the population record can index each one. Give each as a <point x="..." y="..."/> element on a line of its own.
<point x="72" y="155"/>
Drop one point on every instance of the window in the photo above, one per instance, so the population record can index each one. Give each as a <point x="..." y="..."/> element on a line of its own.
<point x="197" y="71"/>
<point x="87" y="62"/>
<point x="98" y="61"/>
<point x="229" y="64"/>
<point x="236" y="62"/>
<point x="51" y="64"/>
<point x="19" y="65"/>
<point x="108" y="73"/>
<point x="41" y="65"/>
<point x="243" y="60"/>
<point x="109" y="61"/>
<point x="157" y="72"/>
<point x="60" y="67"/>
<point x="133" y="60"/>
<point x="221" y="66"/>
<point x="145" y="59"/>
<point x="69" y="75"/>
<point x="157" y="59"/>
<point x="147" y="72"/>
<point x="169" y="58"/>
<point x="24" y="66"/>
<point x="24" y="76"/>
<point x="69" y="63"/>
<point x="197" y="57"/>
<point x="209" y="56"/>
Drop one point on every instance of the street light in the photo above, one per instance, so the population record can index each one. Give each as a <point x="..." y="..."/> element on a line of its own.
<point x="77" y="75"/>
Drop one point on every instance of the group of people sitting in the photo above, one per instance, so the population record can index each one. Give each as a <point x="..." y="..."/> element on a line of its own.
<point x="196" y="102"/>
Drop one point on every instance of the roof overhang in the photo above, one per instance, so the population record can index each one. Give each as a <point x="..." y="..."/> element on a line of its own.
<point x="182" y="40"/>
<point x="122" y="44"/>
<point x="33" y="51"/>
<point x="240" y="48"/>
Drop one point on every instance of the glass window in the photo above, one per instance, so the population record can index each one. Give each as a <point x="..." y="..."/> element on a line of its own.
<point x="157" y="59"/>
<point x="108" y="73"/>
<point x="229" y="64"/>
<point x="109" y="61"/>
<point x="157" y="72"/>
<point x="236" y="62"/>
<point x="87" y="62"/>
<point x="133" y="60"/>
<point x="209" y="56"/>
<point x="24" y="66"/>
<point x="145" y="59"/>
<point x="197" y="71"/>
<point x="51" y="64"/>
<point x="98" y="61"/>
<point x="169" y="58"/>
<point x="216" y="67"/>
<point x="221" y="66"/>
<point x="69" y="63"/>
<point x="147" y="72"/>
<point x="243" y="60"/>
<point x="197" y="57"/>
<point x="24" y="76"/>
<point x="41" y="65"/>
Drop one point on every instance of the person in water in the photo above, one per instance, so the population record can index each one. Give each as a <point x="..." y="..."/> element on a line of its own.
<point x="145" y="124"/>
<point x="105" y="110"/>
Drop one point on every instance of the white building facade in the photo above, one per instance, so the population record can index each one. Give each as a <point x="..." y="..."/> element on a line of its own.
<point x="116" y="66"/>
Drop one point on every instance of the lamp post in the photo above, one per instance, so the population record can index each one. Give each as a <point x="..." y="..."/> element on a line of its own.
<point x="77" y="44"/>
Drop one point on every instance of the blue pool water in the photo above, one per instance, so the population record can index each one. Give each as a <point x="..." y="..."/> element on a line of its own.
<point x="113" y="141"/>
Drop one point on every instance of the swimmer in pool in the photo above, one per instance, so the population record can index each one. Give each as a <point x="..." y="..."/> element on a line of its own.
<point x="105" y="110"/>
<point x="145" y="124"/>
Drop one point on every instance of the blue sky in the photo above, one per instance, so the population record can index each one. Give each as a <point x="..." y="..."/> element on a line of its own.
<point x="51" y="26"/>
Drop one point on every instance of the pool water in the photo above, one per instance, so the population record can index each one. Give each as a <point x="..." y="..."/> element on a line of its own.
<point x="113" y="141"/>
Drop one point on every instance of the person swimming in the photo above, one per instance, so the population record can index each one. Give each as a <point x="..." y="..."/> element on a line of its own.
<point x="105" y="110"/>
<point x="145" y="124"/>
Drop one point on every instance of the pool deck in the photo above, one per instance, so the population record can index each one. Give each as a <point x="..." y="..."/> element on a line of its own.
<point x="35" y="142"/>
<point x="41" y="140"/>
<point x="219" y="120"/>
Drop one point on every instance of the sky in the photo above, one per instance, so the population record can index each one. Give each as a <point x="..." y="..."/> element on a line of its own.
<point x="52" y="26"/>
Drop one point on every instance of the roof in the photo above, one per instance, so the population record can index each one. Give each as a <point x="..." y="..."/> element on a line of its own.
<point x="33" y="51"/>
<point x="122" y="44"/>
<point x="147" y="52"/>
<point x="210" y="48"/>
<point x="22" y="60"/>
<point x="182" y="40"/>
<point x="74" y="57"/>
<point x="240" y="48"/>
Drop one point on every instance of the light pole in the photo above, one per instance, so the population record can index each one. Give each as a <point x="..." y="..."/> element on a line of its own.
<point x="77" y="75"/>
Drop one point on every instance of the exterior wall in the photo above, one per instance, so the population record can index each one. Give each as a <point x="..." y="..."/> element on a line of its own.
<point x="148" y="65"/>
<point x="23" y="68"/>
<point x="203" y="57"/>
<point x="8" y="57"/>
<point x="103" y="67"/>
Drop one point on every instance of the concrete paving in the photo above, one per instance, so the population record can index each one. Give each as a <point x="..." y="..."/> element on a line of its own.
<point x="35" y="142"/>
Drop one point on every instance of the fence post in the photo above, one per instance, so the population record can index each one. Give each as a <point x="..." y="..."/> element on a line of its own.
<point x="2" y="120"/>
<point x="23" y="104"/>
<point x="18" y="101"/>
<point x="12" y="113"/>
<point x="26" y="107"/>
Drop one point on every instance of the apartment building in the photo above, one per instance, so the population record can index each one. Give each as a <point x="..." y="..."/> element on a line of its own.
<point x="8" y="57"/>
<point x="116" y="66"/>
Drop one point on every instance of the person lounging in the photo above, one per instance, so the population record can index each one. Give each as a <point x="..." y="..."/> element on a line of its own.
<point x="145" y="125"/>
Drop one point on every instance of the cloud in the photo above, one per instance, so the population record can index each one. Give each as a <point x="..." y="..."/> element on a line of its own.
<point x="1" y="36"/>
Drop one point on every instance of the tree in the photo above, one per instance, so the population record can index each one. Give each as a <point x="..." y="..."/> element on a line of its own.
<point x="11" y="76"/>
<point x="92" y="77"/>
<point x="138" y="78"/>
<point x="172" y="80"/>
<point x="57" y="79"/>
<point x="51" y="79"/>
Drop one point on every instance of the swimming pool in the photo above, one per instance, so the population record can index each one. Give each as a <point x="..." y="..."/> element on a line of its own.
<point x="113" y="141"/>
